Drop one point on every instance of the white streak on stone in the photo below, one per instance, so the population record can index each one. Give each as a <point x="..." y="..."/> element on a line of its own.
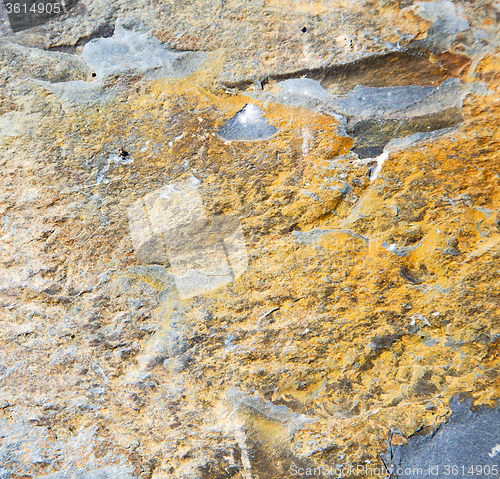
<point x="495" y="451"/>
<point x="245" y="458"/>
<point x="306" y="135"/>
<point x="380" y="162"/>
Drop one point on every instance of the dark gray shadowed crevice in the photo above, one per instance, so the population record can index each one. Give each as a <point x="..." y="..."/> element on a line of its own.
<point x="401" y="68"/>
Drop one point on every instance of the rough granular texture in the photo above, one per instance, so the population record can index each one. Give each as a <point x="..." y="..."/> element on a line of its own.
<point x="370" y="294"/>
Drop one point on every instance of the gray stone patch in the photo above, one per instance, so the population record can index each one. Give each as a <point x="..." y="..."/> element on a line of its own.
<point x="125" y="53"/>
<point x="444" y="16"/>
<point x="127" y="50"/>
<point x="377" y="116"/>
<point x="468" y="439"/>
<point x="368" y="102"/>
<point x="247" y="125"/>
<point x="305" y="87"/>
<point x="373" y="116"/>
<point x="301" y="92"/>
<point x="450" y="94"/>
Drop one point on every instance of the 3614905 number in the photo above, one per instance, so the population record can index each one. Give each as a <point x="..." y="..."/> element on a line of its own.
<point x="476" y="470"/>
<point x="40" y="8"/>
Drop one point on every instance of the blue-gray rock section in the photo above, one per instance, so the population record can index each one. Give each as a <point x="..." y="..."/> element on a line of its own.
<point x="468" y="445"/>
<point x="247" y="125"/>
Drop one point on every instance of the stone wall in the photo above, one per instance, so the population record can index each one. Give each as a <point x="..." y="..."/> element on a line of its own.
<point x="250" y="239"/>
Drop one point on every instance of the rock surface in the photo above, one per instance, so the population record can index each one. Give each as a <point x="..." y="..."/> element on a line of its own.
<point x="466" y="445"/>
<point x="318" y="296"/>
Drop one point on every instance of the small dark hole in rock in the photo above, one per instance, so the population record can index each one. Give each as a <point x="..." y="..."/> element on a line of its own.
<point x="123" y="153"/>
<point x="94" y="74"/>
<point x="304" y="29"/>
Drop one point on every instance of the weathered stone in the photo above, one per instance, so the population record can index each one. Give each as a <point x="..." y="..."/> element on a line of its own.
<point x="466" y="444"/>
<point x="329" y="285"/>
<point x="246" y="125"/>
